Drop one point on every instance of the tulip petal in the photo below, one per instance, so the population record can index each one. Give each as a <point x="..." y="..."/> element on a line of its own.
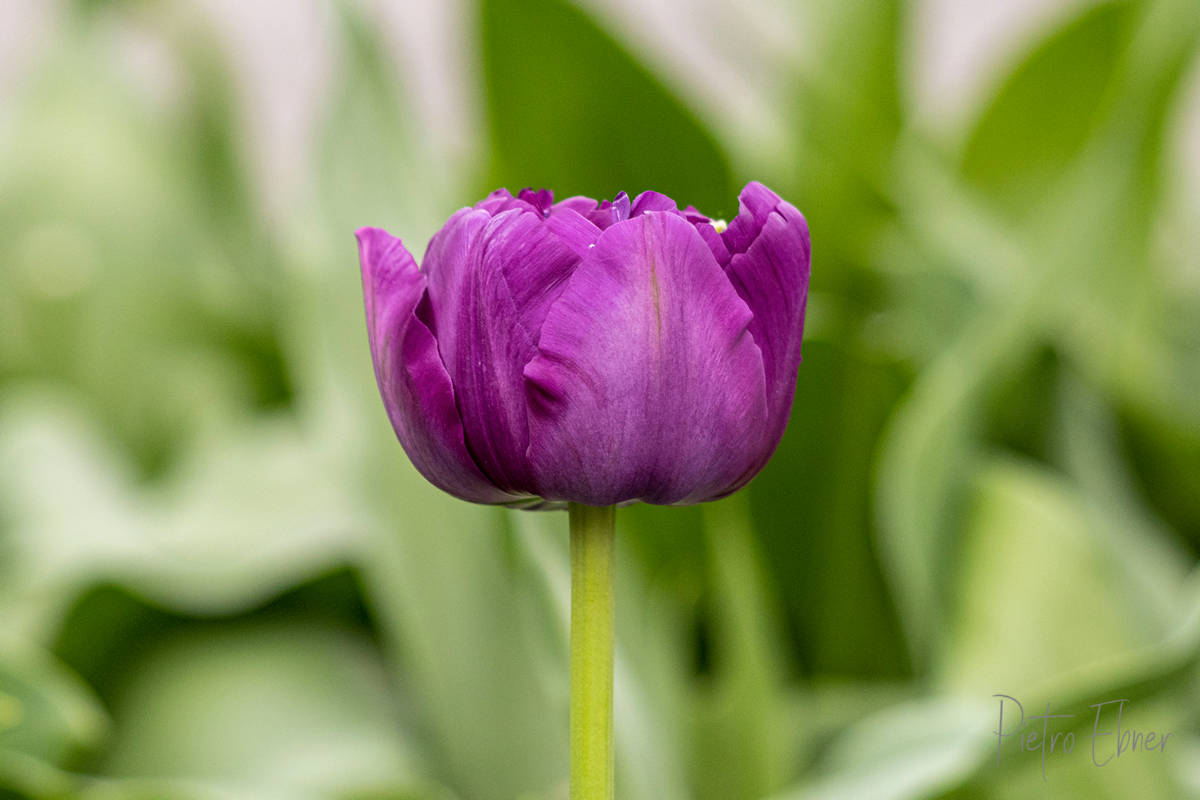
<point x="575" y="230"/>
<point x="651" y="201"/>
<point x="755" y="204"/>
<point x="608" y="213"/>
<point x="646" y="383"/>
<point x="656" y="201"/>
<point x="542" y="200"/>
<point x="771" y="275"/>
<point x="491" y="281"/>
<point x="713" y="239"/>
<point x="577" y="203"/>
<point x="416" y="388"/>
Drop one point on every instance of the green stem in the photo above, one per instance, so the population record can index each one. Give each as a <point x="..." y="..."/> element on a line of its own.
<point x="592" y="539"/>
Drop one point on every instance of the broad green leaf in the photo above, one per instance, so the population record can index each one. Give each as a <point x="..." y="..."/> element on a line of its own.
<point x="1044" y="112"/>
<point x="570" y="110"/>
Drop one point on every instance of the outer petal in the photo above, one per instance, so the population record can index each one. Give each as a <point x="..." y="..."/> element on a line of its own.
<point x="772" y="277"/>
<point x="415" y="386"/>
<point x="491" y="281"/>
<point x="646" y="384"/>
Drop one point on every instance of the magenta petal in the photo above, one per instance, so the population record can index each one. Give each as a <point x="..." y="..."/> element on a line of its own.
<point x="609" y="213"/>
<point x="502" y="200"/>
<point x="415" y="386"/>
<point x="772" y="277"/>
<point x="755" y="203"/>
<point x="656" y="201"/>
<point x="491" y="281"/>
<point x="541" y="200"/>
<point x="651" y="201"/>
<point x="578" y="203"/>
<point x="713" y="239"/>
<point x="575" y="230"/>
<point x="646" y="383"/>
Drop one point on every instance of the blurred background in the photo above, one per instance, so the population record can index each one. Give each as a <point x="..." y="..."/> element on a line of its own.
<point x="220" y="577"/>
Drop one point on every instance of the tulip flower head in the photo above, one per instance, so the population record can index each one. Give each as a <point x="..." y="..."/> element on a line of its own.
<point x="595" y="353"/>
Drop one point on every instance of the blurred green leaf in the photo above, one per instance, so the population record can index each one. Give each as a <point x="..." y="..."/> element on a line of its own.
<point x="912" y="750"/>
<point x="812" y="510"/>
<point x="926" y="454"/>
<point x="374" y="167"/>
<point x="1151" y="555"/>
<point x="571" y="110"/>
<point x="847" y="116"/>
<point x="278" y="709"/>
<point x="1038" y="593"/>
<point x="251" y="511"/>
<point x="441" y="585"/>
<point x="651" y="684"/>
<point x="46" y="712"/>
<point x="122" y="285"/>
<point x="741" y="736"/>
<point x="1044" y="112"/>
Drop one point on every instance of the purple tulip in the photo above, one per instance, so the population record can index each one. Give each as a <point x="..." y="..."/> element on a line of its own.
<point x="597" y="353"/>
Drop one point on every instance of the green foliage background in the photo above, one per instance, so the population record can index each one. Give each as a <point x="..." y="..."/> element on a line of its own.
<point x="220" y="578"/>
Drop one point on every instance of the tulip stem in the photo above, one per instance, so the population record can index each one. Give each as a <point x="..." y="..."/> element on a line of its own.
<point x="592" y="540"/>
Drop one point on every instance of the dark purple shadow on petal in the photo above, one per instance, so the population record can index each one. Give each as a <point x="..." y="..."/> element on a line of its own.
<point x="646" y="383"/>
<point x="416" y="389"/>
<point x="541" y="200"/>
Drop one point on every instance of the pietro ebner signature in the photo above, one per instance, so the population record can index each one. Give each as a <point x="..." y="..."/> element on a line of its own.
<point x="1108" y="737"/>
